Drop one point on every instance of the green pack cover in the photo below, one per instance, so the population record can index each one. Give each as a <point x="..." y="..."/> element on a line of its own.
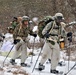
<point x="43" y="23"/>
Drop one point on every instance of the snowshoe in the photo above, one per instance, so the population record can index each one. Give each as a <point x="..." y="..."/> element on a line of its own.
<point x="54" y="71"/>
<point x="49" y="61"/>
<point x="41" y="67"/>
<point x="61" y="63"/>
<point x="25" y="65"/>
<point x="12" y="61"/>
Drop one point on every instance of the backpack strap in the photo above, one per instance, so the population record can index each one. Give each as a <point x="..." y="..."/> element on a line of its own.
<point x="52" y="26"/>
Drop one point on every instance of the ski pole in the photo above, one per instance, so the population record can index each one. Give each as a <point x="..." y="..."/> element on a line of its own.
<point x="7" y="55"/>
<point x="32" y="51"/>
<point x="36" y="60"/>
<point x="68" y="57"/>
<point x="70" y="69"/>
<point x="69" y="35"/>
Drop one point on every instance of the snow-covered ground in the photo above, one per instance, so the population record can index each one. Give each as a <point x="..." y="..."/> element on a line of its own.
<point x="8" y="69"/>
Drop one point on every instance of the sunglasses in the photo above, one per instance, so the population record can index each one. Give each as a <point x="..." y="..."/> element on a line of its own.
<point x="60" y="18"/>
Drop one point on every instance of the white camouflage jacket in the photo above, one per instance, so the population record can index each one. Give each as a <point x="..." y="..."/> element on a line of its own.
<point x="58" y="30"/>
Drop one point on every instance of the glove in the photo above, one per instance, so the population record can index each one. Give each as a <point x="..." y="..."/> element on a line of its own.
<point x="3" y="37"/>
<point x="47" y="35"/>
<point x="69" y="34"/>
<point x="16" y="41"/>
<point x="35" y="35"/>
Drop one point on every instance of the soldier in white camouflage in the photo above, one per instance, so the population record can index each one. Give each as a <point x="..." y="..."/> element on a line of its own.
<point x="52" y="32"/>
<point x="20" y="35"/>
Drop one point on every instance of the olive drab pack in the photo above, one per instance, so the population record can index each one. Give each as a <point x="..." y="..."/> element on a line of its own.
<point x="42" y="24"/>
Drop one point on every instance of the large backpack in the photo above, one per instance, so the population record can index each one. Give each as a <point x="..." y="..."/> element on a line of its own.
<point x="42" y="24"/>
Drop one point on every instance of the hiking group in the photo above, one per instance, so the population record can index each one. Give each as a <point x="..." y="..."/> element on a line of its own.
<point x="50" y="29"/>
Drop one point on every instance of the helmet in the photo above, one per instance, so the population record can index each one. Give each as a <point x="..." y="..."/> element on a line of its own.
<point x="59" y="16"/>
<point x="25" y="18"/>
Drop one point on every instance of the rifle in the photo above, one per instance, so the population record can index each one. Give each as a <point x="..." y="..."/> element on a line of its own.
<point x="70" y="24"/>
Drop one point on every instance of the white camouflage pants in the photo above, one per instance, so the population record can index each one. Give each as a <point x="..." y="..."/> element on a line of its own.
<point x="21" y="47"/>
<point x="52" y="52"/>
<point x="46" y="53"/>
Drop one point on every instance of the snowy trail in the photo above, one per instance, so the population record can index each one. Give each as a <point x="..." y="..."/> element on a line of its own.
<point x="46" y="71"/>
